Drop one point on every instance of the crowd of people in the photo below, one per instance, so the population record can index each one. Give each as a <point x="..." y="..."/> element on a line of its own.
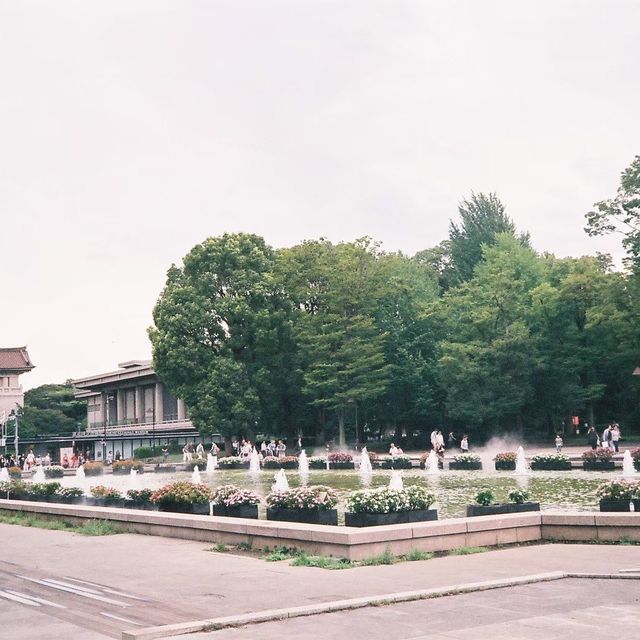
<point x="610" y="438"/>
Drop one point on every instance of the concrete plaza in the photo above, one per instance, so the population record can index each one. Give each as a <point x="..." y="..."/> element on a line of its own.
<point x="104" y="585"/>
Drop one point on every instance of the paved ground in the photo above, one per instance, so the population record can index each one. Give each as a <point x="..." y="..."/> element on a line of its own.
<point x="565" y="609"/>
<point x="133" y="580"/>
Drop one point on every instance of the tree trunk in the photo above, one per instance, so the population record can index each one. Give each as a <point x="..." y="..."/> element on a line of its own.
<point x="320" y="434"/>
<point x="342" y="442"/>
<point x="592" y="416"/>
<point x="228" y="448"/>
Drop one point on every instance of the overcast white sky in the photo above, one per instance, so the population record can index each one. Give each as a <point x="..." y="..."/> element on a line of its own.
<point x="132" y="130"/>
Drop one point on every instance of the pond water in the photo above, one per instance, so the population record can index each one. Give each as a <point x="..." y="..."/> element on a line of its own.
<point x="454" y="490"/>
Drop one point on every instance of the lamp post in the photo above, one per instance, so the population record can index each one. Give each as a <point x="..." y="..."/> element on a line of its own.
<point x="14" y="416"/>
<point x="104" y="431"/>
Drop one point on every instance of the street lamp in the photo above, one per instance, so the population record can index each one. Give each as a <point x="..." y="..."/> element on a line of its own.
<point x="14" y="416"/>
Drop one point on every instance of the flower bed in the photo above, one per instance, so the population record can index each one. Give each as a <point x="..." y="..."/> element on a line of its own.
<point x="201" y="463"/>
<point x="183" y="497"/>
<point x="232" y="462"/>
<point x="69" y="495"/>
<point x="14" y="490"/>
<point x="165" y="468"/>
<point x="105" y="497"/>
<point x="486" y="507"/>
<point x="382" y="506"/>
<point x="599" y="459"/>
<point x="505" y="461"/>
<point x="15" y="473"/>
<point x="93" y="468"/>
<point x="552" y="462"/>
<point x="465" y="461"/>
<point x="317" y="462"/>
<point x="233" y="502"/>
<point x="122" y="467"/>
<point x="341" y="460"/>
<point x="284" y="462"/>
<point x="400" y="461"/>
<point x="314" y="505"/>
<point x="140" y="499"/>
<point x="617" y="495"/>
<point x="41" y="491"/>
<point x="635" y="454"/>
<point x="53" y="471"/>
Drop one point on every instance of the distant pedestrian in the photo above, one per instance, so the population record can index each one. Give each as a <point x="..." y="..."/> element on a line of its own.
<point x="606" y="438"/>
<point x="615" y="437"/>
<point x="559" y="443"/>
<point x="464" y="444"/>
<point x="451" y="440"/>
<point x="165" y="454"/>
<point x="592" y="438"/>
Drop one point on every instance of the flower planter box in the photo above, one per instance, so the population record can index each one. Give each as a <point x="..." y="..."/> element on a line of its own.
<point x="289" y="464"/>
<point x="310" y="516"/>
<point x="500" y="509"/>
<point x="241" y="511"/>
<point x="465" y="466"/>
<point x="619" y="505"/>
<point x="342" y="465"/>
<point x="200" y="509"/>
<point x="423" y="464"/>
<point x="101" y="502"/>
<point x="125" y="472"/>
<point x="396" y="517"/>
<point x="165" y="468"/>
<point x="505" y="465"/>
<point x="598" y="465"/>
<point x="63" y="500"/>
<point x="394" y="464"/>
<point x="234" y="465"/>
<point x="551" y="466"/>
<point x="146" y="505"/>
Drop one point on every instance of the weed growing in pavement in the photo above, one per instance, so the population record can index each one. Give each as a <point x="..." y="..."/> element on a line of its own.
<point x="321" y="562"/>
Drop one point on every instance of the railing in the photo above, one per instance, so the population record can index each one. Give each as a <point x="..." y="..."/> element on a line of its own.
<point x="124" y="428"/>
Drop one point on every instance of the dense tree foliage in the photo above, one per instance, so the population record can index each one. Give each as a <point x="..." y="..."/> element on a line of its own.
<point x="479" y="333"/>
<point x="51" y="409"/>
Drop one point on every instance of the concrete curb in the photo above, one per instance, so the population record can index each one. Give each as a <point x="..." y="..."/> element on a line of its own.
<point x="214" y="624"/>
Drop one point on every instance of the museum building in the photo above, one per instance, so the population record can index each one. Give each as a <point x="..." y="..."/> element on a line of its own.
<point x="130" y="408"/>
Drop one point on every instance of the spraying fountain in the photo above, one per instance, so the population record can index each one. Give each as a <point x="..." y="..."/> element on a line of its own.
<point x="395" y="482"/>
<point x="281" y="483"/>
<point x="303" y="463"/>
<point x="254" y="462"/>
<point x="628" y="470"/>
<point x="80" y="472"/>
<point x="431" y="467"/>
<point x="365" y="463"/>
<point x="522" y="468"/>
<point x="195" y="476"/>
<point x="212" y="463"/>
<point x="39" y="476"/>
<point x="4" y="475"/>
<point x="134" y="480"/>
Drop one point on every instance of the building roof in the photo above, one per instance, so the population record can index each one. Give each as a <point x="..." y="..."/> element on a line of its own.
<point x="15" y="359"/>
<point x="129" y="372"/>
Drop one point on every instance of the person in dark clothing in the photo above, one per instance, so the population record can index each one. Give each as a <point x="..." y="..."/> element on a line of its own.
<point x="592" y="438"/>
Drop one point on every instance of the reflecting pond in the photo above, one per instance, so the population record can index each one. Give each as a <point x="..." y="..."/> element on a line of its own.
<point x="454" y="490"/>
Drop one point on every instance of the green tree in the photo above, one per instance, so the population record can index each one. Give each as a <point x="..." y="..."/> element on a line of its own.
<point x="621" y="214"/>
<point x="220" y="335"/>
<point x="51" y="409"/>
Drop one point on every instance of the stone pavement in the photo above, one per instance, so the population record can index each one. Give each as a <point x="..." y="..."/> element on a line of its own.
<point x="167" y="580"/>
<point x="566" y="609"/>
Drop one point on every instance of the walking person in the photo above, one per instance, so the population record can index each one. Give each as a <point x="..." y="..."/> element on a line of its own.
<point x="615" y="437"/>
<point x="592" y="438"/>
<point x="464" y="444"/>
<point x="606" y="438"/>
<point x="451" y="440"/>
<point x="559" y="443"/>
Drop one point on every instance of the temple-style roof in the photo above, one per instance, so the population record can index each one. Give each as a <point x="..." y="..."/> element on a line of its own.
<point x="15" y="359"/>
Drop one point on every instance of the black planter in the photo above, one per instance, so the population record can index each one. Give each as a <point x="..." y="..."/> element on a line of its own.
<point x="309" y="516"/>
<point x="396" y="517"/>
<point x="598" y="465"/>
<point x="146" y="505"/>
<point x="423" y="464"/>
<point x="551" y="466"/>
<point x="290" y="464"/>
<point x="500" y="509"/>
<point x="77" y="500"/>
<point x="465" y="466"/>
<point x="314" y="464"/>
<point x="200" y="509"/>
<point x="342" y="465"/>
<point x="619" y="505"/>
<point x="395" y="464"/>
<point x="241" y="511"/>
<point x="101" y="502"/>
<point x="505" y="465"/>
<point x="125" y="472"/>
<point x="165" y="468"/>
<point x="235" y="465"/>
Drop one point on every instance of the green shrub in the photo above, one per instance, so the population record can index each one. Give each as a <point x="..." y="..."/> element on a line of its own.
<point x="93" y="468"/>
<point x="144" y="452"/>
<point x="519" y="496"/>
<point x="54" y="471"/>
<point x="485" y="497"/>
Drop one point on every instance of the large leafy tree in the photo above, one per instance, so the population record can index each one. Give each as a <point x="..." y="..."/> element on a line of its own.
<point x="482" y="219"/>
<point x="621" y="214"/>
<point x="221" y="338"/>
<point x="51" y="409"/>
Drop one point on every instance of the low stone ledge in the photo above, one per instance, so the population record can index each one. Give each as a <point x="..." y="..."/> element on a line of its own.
<point x="508" y="520"/>
<point x="568" y="519"/>
<point x="617" y="519"/>
<point x="439" y="528"/>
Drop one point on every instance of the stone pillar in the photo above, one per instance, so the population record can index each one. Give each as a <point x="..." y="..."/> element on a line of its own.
<point x="102" y="417"/>
<point x="159" y="402"/>
<point x="139" y="405"/>
<point x="182" y="414"/>
<point x="120" y="417"/>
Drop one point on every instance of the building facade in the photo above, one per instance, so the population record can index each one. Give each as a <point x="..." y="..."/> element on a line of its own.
<point x="14" y="361"/>
<point x="130" y="408"/>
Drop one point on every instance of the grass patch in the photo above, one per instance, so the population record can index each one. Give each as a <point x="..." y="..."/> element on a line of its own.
<point x="89" y="528"/>
<point x="467" y="551"/>
<point x="282" y="553"/>
<point x="417" y="554"/>
<point x="221" y="547"/>
<point x="321" y="562"/>
<point x="243" y="546"/>
<point x="384" y="558"/>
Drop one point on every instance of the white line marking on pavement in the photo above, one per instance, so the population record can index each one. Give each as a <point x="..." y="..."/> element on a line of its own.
<point x="110" y="615"/>
<point x="48" y="603"/>
<point x="91" y="596"/>
<point x="8" y="596"/>
<point x="106" y="589"/>
<point x="72" y="586"/>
